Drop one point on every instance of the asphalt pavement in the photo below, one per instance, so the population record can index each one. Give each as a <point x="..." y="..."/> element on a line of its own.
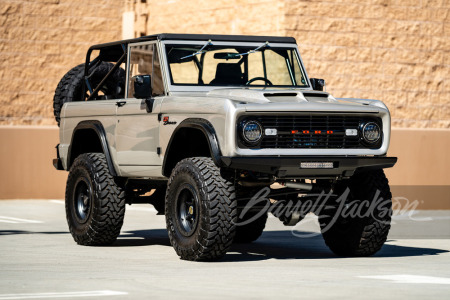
<point x="40" y="260"/>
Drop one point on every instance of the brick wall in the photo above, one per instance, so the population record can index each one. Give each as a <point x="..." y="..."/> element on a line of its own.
<point x="40" y="40"/>
<point x="393" y="50"/>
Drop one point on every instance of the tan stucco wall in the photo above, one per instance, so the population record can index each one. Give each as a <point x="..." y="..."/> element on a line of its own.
<point x="423" y="157"/>
<point x="41" y="40"/>
<point x="26" y="154"/>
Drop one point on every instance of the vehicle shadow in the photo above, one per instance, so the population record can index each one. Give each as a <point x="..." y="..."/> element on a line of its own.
<point x="271" y="245"/>
<point x="142" y="238"/>
<point x="13" y="232"/>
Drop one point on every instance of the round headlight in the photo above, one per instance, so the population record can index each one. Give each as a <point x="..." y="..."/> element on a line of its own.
<point x="371" y="132"/>
<point x="252" y="132"/>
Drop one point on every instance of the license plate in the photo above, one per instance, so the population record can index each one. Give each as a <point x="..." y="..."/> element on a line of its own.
<point x="316" y="165"/>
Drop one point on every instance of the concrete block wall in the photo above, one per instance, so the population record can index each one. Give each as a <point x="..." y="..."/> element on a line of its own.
<point x="397" y="51"/>
<point x="257" y="17"/>
<point x="41" y="40"/>
<point x="393" y="50"/>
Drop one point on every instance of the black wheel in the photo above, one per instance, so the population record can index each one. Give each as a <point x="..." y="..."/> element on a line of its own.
<point x="252" y="231"/>
<point x="70" y="87"/>
<point x="362" y="231"/>
<point x="95" y="204"/>
<point x="200" y="210"/>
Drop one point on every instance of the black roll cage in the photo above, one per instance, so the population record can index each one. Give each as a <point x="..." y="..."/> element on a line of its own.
<point x="116" y="52"/>
<point x="107" y="53"/>
<point x="94" y="64"/>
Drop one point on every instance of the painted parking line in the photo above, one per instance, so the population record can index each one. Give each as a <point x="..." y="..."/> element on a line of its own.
<point x="405" y="278"/>
<point x="4" y="219"/>
<point x="61" y="295"/>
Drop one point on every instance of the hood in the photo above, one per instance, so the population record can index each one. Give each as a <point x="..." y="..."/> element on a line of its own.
<point x="286" y="99"/>
<point x="249" y="95"/>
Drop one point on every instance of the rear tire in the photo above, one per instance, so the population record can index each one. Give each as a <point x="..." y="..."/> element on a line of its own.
<point x="252" y="231"/>
<point x="95" y="204"/>
<point x="71" y="85"/>
<point x="157" y="199"/>
<point x="356" y="235"/>
<point x="200" y="210"/>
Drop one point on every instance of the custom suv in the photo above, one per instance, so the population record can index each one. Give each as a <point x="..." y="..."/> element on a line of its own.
<point x="215" y="131"/>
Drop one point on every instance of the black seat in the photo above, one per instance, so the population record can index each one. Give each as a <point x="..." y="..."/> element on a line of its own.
<point x="227" y="74"/>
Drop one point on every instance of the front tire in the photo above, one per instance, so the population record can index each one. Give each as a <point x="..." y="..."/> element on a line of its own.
<point x="200" y="210"/>
<point x="361" y="235"/>
<point x="95" y="203"/>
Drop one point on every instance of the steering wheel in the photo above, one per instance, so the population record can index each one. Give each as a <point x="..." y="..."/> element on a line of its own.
<point x="267" y="81"/>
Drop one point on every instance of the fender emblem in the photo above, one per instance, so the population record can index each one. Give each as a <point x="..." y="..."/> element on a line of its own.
<point x="167" y="122"/>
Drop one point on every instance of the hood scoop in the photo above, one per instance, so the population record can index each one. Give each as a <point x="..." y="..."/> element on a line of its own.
<point x="299" y="97"/>
<point x="318" y="97"/>
<point x="284" y="97"/>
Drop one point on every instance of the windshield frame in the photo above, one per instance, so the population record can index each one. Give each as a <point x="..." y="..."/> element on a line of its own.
<point x="178" y="87"/>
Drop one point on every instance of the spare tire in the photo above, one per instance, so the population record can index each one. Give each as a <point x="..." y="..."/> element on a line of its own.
<point x="70" y="87"/>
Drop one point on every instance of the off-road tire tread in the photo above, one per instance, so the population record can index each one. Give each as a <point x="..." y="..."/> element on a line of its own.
<point x="109" y="205"/>
<point x="216" y="237"/>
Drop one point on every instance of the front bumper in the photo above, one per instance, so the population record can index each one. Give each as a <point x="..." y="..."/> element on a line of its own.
<point x="289" y="167"/>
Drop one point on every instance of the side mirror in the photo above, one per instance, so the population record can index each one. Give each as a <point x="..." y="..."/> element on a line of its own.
<point x="317" y="84"/>
<point x="142" y="86"/>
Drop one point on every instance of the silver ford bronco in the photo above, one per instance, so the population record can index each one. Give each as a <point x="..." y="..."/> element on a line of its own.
<point x="216" y="131"/>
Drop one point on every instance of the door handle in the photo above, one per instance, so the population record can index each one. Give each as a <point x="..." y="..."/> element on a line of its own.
<point x="121" y="103"/>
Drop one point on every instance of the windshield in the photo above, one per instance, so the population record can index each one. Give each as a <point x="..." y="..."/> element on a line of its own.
<point x="210" y="65"/>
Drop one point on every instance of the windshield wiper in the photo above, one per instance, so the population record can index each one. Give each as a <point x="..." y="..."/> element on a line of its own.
<point x="266" y="44"/>
<point x="199" y="51"/>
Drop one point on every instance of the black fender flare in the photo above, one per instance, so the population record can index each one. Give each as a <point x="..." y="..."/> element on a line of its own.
<point x="97" y="126"/>
<point x="208" y="130"/>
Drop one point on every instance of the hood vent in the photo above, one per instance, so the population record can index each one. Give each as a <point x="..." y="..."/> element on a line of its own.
<point x="315" y="95"/>
<point x="268" y="95"/>
<point x="283" y="97"/>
